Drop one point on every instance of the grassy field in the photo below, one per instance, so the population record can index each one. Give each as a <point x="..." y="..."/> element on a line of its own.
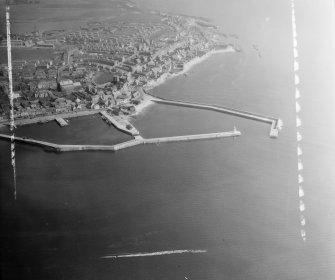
<point x="25" y="54"/>
<point x="49" y="15"/>
<point x="103" y="77"/>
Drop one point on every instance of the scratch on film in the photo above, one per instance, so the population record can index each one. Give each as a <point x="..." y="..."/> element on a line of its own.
<point x="300" y="178"/>
<point x="12" y="121"/>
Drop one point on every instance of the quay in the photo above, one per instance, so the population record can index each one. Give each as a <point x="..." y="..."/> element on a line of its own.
<point x="30" y="141"/>
<point x="49" y="118"/>
<point x="274" y="122"/>
<point x="137" y="141"/>
<point x="61" y="122"/>
<point x="123" y="126"/>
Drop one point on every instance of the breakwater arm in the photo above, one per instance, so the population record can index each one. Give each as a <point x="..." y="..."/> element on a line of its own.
<point x="30" y="141"/>
<point x="275" y="123"/>
<point x="137" y="141"/>
<point x="192" y="137"/>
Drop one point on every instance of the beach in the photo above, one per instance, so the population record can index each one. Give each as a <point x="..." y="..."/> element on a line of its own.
<point x="146" y="102"/>
<point x="187" y="67"/>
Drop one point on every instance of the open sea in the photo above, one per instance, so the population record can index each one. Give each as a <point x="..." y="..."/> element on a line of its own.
<point x="237" y="199"/>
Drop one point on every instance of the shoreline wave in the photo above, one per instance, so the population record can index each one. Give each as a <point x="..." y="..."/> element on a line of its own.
<point x="168" y="76"/>
<point x="187" y="67"/>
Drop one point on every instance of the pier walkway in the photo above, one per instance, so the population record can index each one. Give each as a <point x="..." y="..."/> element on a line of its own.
<point x="137" y="141"/>
<point x="123" y="126"/>
<point x="275" y="123"/>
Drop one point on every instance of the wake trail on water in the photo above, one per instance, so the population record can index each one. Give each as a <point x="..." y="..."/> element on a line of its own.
<point x="148" y="254"/>
<point x="11" y="98"/>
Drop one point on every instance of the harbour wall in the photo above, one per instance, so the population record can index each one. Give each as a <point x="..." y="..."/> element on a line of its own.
<point x="122" y="126"/>
<point x="48" y="118"/>
<point x="137" y="141"/>
<point x="274" y="129"/>
<point x="192" y="137"/>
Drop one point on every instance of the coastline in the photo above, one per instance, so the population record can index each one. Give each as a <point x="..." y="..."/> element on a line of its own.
<point x="168" y="76"/>
<point x="187" y="67"/>
<point x="44" y="119"/>
<point x="147" y="99"/>
<point x="146" y="102"/>
<point x="48" y="118"/>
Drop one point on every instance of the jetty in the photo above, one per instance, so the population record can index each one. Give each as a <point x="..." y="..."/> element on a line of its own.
<point x="49" y="118"/>
<point x="192" y="137"/>
<point x="137" y="141"/>
<point x="126" y="127"/>
<point x="123" y="126"/>
<point x="274" y="122"/>
<point x="61" y="122"/>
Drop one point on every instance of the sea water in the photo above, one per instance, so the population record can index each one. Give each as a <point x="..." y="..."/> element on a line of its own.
<point x="235" y="199"/>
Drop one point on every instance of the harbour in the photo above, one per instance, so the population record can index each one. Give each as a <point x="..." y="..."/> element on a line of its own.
<point x="276" y="123"/>
<point x="122" y="125"/>
<point x="238" y="200"/>
<point x="49" y="118"/>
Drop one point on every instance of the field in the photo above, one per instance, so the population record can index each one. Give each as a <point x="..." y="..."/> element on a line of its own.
<point x="49" y="15"/>
<point x="25" y="54"/>
<point x="103" y="77"/>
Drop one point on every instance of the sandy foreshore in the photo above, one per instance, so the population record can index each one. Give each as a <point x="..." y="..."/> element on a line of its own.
<point x="167" y="76"/>
<point x="146" y="102"/>
<point x="187" y="67"/>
